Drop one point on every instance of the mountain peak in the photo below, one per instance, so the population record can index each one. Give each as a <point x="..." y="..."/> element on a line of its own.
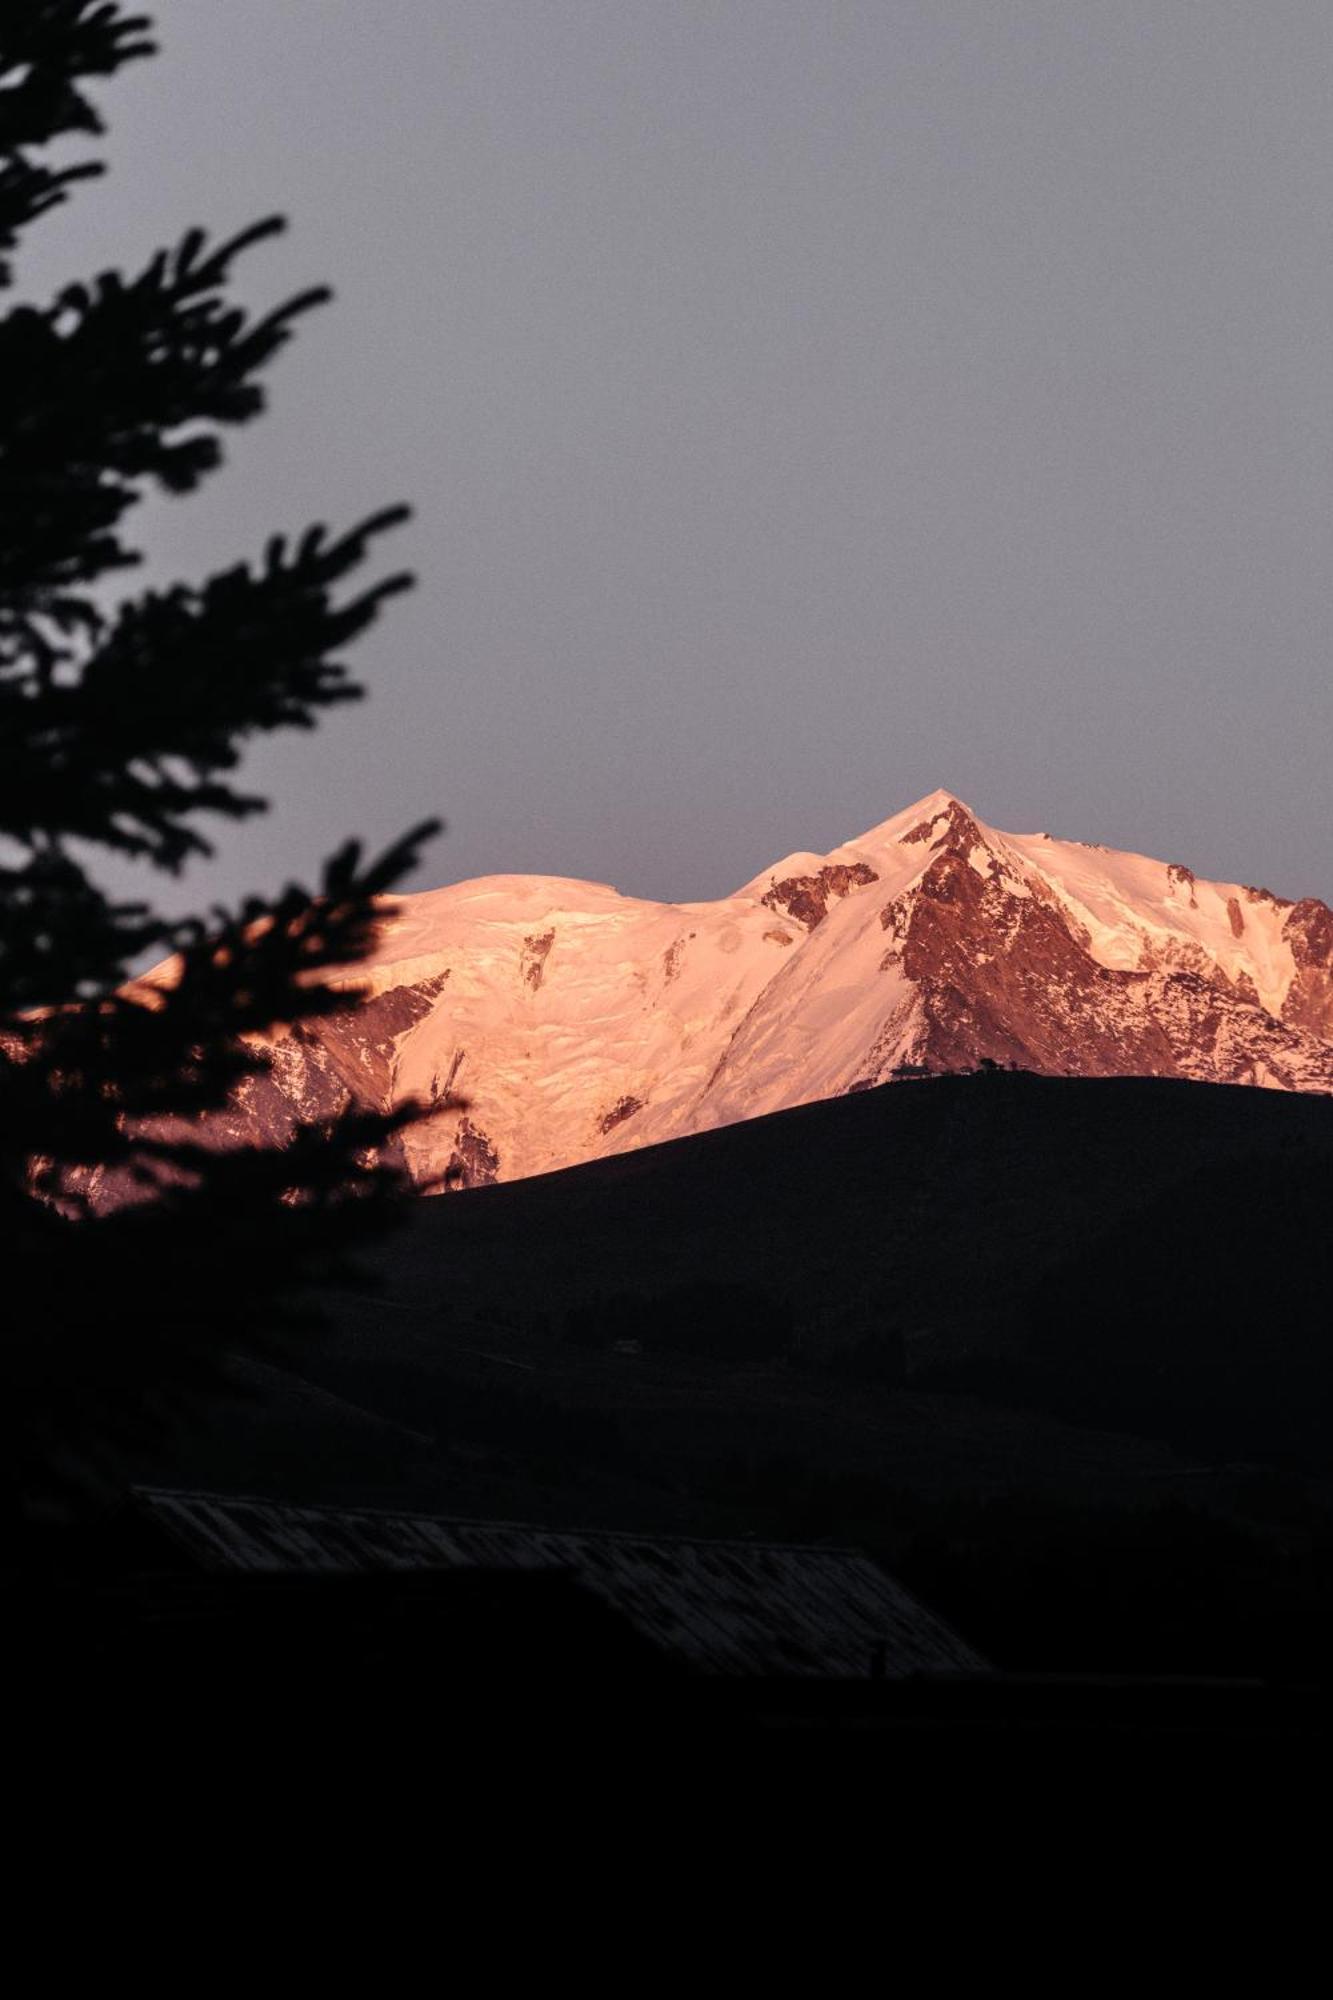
<point x="940" y="815"/>
<point x="937" y="802"/>
<point x="946" y="822"/>
<point x="549" y="1021"/>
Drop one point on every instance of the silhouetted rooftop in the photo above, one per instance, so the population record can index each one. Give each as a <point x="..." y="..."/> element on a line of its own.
<point x="720" y="1607"/>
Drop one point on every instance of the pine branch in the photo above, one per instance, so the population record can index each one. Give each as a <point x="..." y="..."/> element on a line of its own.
<point x="129" y="755"/>
<point x="118" y="387"/>
<point x="91" y="948"/>
<point x="84" y="1084"/>
<point x="123" y="729"/>
<point x="48" y="49"/>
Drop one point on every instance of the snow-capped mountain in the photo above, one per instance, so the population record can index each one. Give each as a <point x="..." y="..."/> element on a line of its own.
<point x="549" y="1021"/>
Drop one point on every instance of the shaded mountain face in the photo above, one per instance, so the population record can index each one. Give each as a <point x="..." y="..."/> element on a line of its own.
<point x="548" y="1021"/>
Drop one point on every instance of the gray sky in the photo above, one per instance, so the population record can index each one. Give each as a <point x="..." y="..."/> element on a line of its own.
<point x="805" y="404"/>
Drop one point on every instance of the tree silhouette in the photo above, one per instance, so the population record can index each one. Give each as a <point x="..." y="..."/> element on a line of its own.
<point x="121" y="729"/>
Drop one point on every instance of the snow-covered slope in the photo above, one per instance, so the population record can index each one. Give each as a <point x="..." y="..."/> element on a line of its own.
<point x="549" y="1021"/>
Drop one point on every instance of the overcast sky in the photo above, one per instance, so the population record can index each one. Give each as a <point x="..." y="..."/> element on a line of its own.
<point x="805" y="403"/>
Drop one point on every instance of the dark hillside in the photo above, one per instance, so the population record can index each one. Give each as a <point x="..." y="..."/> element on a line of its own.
<point x="1057" y="1350"/>
<point x="941" y="1210"/>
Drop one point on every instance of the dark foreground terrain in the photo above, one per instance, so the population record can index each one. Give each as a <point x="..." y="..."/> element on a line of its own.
<point x="1057" y="1352"/>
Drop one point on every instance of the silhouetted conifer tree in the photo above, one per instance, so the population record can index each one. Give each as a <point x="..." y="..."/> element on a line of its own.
<point x="121" y="727"/>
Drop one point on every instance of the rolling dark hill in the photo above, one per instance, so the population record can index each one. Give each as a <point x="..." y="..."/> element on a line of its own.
<point x="1057" y="1350"/>
<point x="938" y="1211"/>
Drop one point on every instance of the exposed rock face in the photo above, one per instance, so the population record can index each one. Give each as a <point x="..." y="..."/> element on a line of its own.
<point x="625" y="1107"/>
<point x="806" y="897"/>
<point x="1182" y="878"/>
<point x="535" y="950"/>
<point x="315" y="1071"/>
<point x="1004" y="977"/>
<point x="474" y="1161"/>
<point x="548" y="1021"/>
<point x="361" y="1045"/>
<point x="1309" y="932"/>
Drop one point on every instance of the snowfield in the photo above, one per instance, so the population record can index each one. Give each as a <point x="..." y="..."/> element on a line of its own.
<point x="549" y="1021"/>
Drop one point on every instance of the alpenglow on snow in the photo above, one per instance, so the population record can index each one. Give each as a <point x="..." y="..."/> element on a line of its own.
<point x="549" y="1021"/>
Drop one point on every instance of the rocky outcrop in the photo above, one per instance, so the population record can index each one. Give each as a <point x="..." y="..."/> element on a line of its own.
<point x="806" y="897"/>
<point x="623" y="1108"/>
<point x="361" y="1042"/>
<point x="533" y="959"/>
<point x="1003" y="973"/>
<point x="1309" y="932"/>
<point x="1181" y="878"/>
<point x="474" y="1161"/>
